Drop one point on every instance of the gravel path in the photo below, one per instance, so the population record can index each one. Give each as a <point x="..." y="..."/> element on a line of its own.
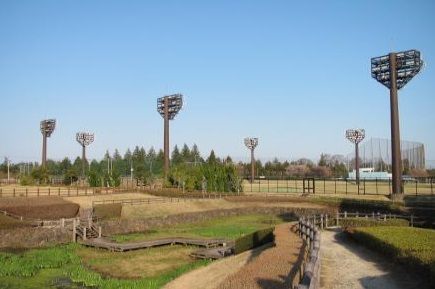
<point x="262" y="268"/>
<point x="347" y="265"/>
<point x="273" y="268"/>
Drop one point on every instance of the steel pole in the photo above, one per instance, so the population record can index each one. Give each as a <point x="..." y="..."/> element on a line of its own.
<point x="357" y="164"/>
<point x="252" y="166"/>
<point x="166" y="136"/>
<point x="44" y="149"/>
<point x="395" y="130"/>
<point x="83" y="159"/>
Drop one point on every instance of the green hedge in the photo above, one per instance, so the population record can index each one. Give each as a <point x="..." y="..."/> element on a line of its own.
<point x="253" y="240"/>
<point x="369" y="206"/>
<point x="412" y="247"/>
<point x="363" y="222"/>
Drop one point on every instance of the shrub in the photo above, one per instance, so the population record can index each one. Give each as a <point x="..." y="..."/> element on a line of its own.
<point x="412" y="247"/>
<point x="253" y="240"/>
<point x="363" y="222"/>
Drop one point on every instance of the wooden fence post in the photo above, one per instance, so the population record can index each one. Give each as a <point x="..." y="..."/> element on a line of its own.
<point x="84" y="233"/>
<point x="74" y="231"/>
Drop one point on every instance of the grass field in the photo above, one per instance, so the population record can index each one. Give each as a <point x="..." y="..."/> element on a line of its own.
<point x="413" y="247"/>
<point x="340" y="187"/>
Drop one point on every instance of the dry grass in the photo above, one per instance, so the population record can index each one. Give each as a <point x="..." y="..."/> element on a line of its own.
<point x="136" y="264"/>
<point x="166" y="209"/>
<point x="331" y="187"/>
<point x="86" y="201"/>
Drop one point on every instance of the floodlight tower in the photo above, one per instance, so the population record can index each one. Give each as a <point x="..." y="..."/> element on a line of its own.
<point x="251" y="144"/>
<point x="84" y="139"/>
<point x="168" y="107"/>
<point x="47" y="127"/>
<point x="356" y="136"/>
<point x="394" y="71"/>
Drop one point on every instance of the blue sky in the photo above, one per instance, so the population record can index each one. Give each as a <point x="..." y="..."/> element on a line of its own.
<point x="296" y="74"/>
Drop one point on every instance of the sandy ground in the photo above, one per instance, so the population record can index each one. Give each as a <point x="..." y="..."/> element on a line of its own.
<point x="264" y="267"/>
<point x="347" y="265"/>
<point x="210" y="276"/>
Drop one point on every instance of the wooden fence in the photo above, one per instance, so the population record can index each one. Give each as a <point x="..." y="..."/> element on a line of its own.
<point x="145" y="201"/>
<point x="57" y="191"/>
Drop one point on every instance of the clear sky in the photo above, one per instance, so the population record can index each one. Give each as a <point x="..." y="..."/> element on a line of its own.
<point x="296" y="74"/>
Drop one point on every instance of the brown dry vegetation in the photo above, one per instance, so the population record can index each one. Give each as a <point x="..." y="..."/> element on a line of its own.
<point x="33" y="237"/>
<point x="86" y="201"/>
<point x="10" y="223"/>
<point x="165" y="209"/>
<point x="137" y="264"/>
<point x="39" y="208"/>
<point x="275" y="268"/>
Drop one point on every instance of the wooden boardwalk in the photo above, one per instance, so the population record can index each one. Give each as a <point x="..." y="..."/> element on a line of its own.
<point x="120" y="247"/>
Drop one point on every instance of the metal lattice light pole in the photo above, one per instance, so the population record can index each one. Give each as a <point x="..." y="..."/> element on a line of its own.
<point x="47" y="127"/>
<point x="84" y="139"/>
<point x="251" y="144"/>
<point x="168" y="107"/>
<point x="356" y="136"/>
<point x="394" y="71"/>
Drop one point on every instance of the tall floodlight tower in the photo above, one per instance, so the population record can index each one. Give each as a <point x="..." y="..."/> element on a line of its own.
<point x="251" y="144"/>
<point x="394" y="71"/>
<point x="84" y="139"/>
<point x="47" y="127"/>
<point x="168" y="107"/>
<point x="356" y="136"/>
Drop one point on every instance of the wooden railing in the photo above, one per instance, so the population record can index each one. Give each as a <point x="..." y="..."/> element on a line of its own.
<point x="309" y="231"/>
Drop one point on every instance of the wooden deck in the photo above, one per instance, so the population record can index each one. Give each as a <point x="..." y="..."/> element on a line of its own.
<point x="120" y="247"/>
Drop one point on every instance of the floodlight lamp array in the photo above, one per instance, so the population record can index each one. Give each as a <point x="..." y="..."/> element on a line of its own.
<point x="408" y="64"/>
<point x="85" y="138"/>
<point x="47" y="127"/>
<point x="175" y="103"/>
<point x="251" y="143"/>
<point x="355" y="135"/>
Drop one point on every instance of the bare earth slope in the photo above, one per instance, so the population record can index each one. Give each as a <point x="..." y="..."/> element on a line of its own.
<point x="347" y="265"/>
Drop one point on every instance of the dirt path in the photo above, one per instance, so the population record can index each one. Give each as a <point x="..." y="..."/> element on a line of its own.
<point x="264" y="267"/>
<point x="347" y="265"/>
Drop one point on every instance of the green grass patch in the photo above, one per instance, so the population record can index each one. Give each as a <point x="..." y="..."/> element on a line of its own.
<point x="363" y="222"/>
<point x="412" y="247"/>
<point x="229" y="228"/>
<point x="40" y="268"/>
